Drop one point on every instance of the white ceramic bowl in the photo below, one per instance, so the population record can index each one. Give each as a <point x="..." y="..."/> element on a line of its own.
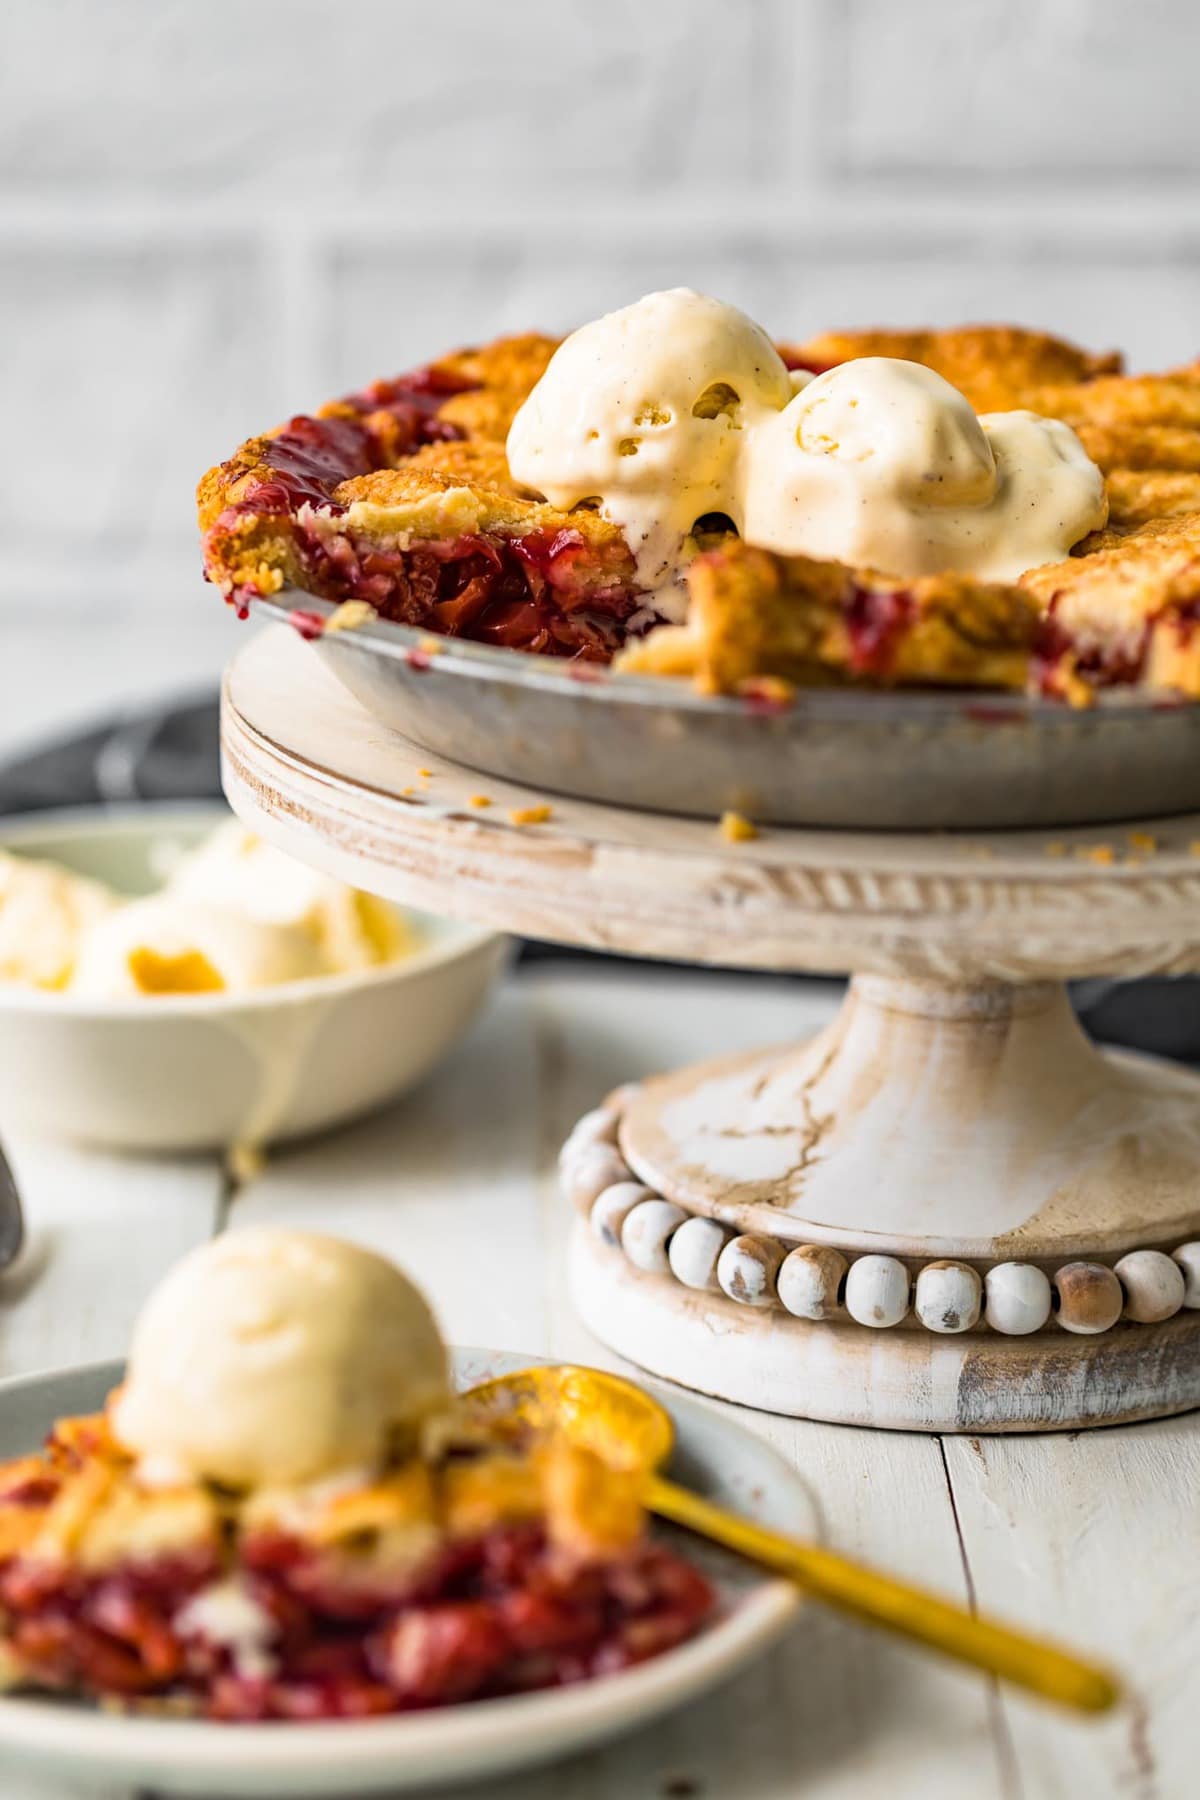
<point x="207" y="1071"/>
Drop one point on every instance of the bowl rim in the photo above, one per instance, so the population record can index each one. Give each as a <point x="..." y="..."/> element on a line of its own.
<point x="453" y="941"/>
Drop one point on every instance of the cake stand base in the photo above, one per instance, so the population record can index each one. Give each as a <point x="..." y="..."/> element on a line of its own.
<point x="897" y="1381"/>
<point x="947" y="1212"/>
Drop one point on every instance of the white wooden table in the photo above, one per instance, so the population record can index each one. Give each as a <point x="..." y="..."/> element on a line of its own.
<point x="1092" y="1536"/>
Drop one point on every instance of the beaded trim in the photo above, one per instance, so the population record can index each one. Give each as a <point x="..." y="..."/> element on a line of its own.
<point x="816" y="1282"/>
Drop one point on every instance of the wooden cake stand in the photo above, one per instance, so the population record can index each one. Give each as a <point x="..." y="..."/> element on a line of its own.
<point x="948" y="1211"/>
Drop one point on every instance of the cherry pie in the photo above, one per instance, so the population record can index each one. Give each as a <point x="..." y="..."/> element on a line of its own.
<point x="401" y="496"/>
<point x="490" y="1569"/>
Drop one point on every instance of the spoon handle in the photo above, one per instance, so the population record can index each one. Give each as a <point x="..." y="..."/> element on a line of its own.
<point x="908" y="1611"/>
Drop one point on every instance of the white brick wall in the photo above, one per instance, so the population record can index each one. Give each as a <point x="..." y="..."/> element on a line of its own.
<point x="1084" y="88"/>
<point x="212" y="215"/>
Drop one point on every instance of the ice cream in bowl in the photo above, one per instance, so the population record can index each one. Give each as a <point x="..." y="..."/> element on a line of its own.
<point x="169" y="981"/>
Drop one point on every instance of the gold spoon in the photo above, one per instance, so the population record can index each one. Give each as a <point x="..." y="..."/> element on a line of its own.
<point x="629" y="1428"/>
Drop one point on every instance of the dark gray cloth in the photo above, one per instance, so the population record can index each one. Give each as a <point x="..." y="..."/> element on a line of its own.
<point x="167" y="754"/>
<point x="172" y="754"/>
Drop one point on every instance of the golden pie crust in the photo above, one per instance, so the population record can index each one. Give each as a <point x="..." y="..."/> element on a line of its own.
<point x="404" y="498"/>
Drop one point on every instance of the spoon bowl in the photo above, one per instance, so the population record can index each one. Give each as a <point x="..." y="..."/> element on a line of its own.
<point x="619" y="1422"/>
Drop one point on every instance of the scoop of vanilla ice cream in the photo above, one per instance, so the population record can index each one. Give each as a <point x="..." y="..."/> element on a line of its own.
<point x="881" y="462"/>
<point x="238" y="872"/>
<point x="168" y="945"/>
<point x="916" y="430"/>
<point x="679" y="406"/>
<point x="45" y="912"/>
<point x="643" y="411"/>
<point x="271" y="1357"/>
<point x="1050" y="495"/>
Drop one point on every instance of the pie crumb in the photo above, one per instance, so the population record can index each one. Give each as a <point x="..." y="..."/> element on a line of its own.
<point x="480" y="800"/>
<point x="245" y="1162"/>
<point x="350" y="615"/>
<point x="1194" y="847"/>
<point x="1143" y="840"/>
<point x="431" y="646"/>
<point x="1097" y="853"/>
<point x="1056" y="849"/>
<point x="425" y="774"/>
<point x="529" y="815"/>
<point x="735" y="829"/>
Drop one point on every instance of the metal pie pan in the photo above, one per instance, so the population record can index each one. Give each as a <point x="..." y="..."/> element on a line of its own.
<point x="873" y="760"/>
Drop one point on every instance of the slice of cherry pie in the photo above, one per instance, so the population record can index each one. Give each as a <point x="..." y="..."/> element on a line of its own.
<point x="402" y="496"/>
<point x="485" y="1569"/>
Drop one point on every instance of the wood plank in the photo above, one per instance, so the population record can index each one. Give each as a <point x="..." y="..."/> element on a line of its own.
<point x="837" y="1707"/>
<point x="465" y="1195"/>
<point x="444" y="1182"/>
<point x="835" y="1701"/>
<point x="102" y="1230"/>
<point x="1092" y="1536"/>
<point x="22" y="1786"/>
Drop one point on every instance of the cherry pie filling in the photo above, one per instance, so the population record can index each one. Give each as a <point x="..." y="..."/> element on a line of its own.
<point x="1060" y="654"/>
<point x="502" y="1613"/>
<point x="341" y="1629"/>
<point x="548" y="591"/>
<point x="876" y="618"/>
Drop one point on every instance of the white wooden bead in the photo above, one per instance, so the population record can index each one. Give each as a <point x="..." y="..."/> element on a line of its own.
<point x="645" y="1233"/>
<point x="809" y="1280"/>
<point x="948" y="1297"/>
<point x="694" y="1250"/>
<point x="1089" y="1298"/>
<point x="1018" y="1298"/>
<point x="746" y="1269"/>
<point x="612" y="1207"/>
<point x="1188" y="1258"/>
<point x="589" y="1171"/>
<point x="596" y="1127"/>
<point x="574" y="1155"/>
<point x="877" y="1291"/>
<point x="1154" y="1286"/>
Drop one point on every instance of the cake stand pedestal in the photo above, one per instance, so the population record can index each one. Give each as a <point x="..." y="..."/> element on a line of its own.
<point x="948" y="1211"/>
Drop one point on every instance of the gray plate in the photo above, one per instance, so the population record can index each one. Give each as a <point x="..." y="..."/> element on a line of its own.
<point x="904" y="761"/>
<point x="98" y="1749"/>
